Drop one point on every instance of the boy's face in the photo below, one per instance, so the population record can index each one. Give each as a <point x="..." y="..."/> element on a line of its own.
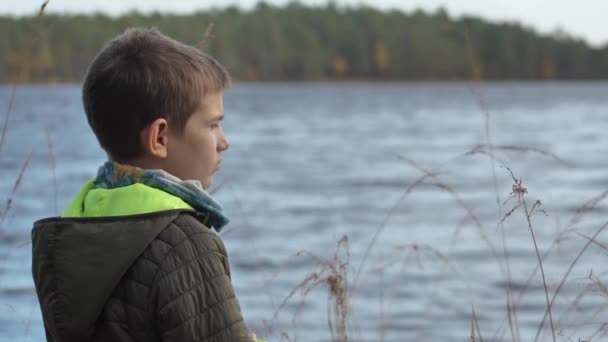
<point x="196" y="153"/>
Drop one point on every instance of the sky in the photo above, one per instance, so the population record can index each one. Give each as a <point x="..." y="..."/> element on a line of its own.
<point x="580" y="18"/>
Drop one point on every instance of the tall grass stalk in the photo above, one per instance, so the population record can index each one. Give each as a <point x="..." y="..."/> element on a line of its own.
<point x="53" y="165"/>
<point x="566" y="275"/>
<point x="9" y="200"/>
<point x="475" y="326"/>
<point x="332" y="274"/>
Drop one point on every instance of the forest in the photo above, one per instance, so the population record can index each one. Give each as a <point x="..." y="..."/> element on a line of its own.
<point x="298" y="42"/>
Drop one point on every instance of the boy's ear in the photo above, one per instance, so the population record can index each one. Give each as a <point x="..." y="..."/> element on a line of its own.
<point x="155" y="138"/>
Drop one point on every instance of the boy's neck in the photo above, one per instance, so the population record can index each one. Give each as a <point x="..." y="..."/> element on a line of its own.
<point x="142" y="163"/>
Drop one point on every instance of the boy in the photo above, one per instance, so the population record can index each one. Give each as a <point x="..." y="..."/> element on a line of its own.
<point x="131" y="258"/>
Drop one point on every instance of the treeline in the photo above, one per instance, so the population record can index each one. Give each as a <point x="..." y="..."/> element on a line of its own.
<point x="297" y="42"/>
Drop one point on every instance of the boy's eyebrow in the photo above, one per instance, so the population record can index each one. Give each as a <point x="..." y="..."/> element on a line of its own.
<point x="218" y="117"/>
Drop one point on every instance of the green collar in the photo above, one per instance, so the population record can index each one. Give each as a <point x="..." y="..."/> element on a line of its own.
<point x="129" y="200"/>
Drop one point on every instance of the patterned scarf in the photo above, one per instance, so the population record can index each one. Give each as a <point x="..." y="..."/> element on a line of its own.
<point x="113" y="175"/>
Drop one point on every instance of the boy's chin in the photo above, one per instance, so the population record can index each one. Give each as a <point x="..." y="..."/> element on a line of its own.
<point x="206" y="183"/>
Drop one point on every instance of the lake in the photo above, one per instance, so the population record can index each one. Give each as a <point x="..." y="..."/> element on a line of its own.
<point x="403" y="170"/>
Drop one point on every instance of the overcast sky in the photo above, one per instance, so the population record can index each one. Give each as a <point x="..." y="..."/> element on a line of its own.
<point x="582" y="18"/>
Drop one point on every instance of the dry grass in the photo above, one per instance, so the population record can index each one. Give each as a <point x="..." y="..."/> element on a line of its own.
<point x="475" y="333"/>
<point x="587" y="207"/>
<point x="333" y="275"/>
<point x="53" y="166"/>
<point x="519" y="194"/>
<point x="517" y="198"/>
<point x="518" y="202"/>
<point x="565" y="277"/>
<point x="9" y="200"/>
<point x="207" y="37"/>
<point x="7" y="117"/>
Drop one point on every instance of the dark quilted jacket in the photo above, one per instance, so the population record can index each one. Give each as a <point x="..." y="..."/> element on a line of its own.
<point x="152" y="277"/>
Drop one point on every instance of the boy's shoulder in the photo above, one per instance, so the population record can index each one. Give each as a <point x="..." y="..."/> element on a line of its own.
<point x="181" y="274"/>
<point x="186" y="240"/>
<point x="189" y="227"/>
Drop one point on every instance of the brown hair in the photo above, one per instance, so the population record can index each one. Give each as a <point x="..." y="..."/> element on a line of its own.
<point x="140" y="76"/>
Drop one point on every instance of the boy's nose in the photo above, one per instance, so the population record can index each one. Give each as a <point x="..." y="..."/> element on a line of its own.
<point x="224" y="144"/>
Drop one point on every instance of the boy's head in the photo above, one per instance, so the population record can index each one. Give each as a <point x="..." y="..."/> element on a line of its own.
<point x="156" y="103"/>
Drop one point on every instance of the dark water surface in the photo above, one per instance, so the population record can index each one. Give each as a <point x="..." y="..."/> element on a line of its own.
<point x="312" y="162"/>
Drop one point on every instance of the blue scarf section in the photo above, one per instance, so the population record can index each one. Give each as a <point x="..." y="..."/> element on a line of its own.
<point x="113" y="175"/>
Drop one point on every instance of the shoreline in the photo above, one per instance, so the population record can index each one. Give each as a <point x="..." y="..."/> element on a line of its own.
<point x="351" y="81"/>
